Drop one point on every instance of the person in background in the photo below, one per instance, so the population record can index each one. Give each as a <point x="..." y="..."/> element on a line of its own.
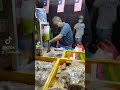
<point x="79" y="30"/>
<point x="107" y="12"/>
<point x="65" y="37"/>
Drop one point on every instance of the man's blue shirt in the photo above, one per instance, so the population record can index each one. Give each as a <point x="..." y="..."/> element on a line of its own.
<point x="67" y="34"/>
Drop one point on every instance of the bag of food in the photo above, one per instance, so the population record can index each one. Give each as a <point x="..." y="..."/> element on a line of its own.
<point x="79" y="47"/>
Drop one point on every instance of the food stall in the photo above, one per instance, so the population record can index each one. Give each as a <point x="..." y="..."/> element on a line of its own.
<point x="57" y="68"/>
<point x="54" y="67"/>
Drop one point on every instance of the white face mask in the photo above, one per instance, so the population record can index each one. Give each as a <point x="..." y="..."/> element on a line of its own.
<point x="80" y="21"/>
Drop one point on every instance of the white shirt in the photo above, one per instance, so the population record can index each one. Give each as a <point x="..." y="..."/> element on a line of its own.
<point x="79" y="30"/>
<point x="107" y="13"/>
<point x="106" y="18"/>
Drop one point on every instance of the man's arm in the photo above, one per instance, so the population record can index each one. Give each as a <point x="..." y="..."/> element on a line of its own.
<point x="57" y="38"/>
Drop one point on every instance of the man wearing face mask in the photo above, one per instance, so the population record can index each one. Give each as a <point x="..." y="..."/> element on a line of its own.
<point x="79" y="30"/>
<point x="65" y="37"/>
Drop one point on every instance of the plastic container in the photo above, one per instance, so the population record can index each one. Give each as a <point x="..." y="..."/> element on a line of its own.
<point x="73" y="55"/>
<point x="52" y="77"/>
<point x="48" y="59"/>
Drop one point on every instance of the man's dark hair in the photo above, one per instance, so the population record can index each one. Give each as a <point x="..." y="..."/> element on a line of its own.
<point x="39" y="4"/>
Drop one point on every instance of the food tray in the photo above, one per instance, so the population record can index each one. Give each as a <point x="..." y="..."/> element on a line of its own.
<point x="48" y="59"/>
<point x="73" y="55"/>
<point x="54" y="71"/>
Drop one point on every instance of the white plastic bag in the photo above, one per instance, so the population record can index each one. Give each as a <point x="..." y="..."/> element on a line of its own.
<point x="101" y="54"/>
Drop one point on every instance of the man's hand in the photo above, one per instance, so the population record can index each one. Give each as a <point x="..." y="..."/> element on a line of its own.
<point x="57" y="38"/>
